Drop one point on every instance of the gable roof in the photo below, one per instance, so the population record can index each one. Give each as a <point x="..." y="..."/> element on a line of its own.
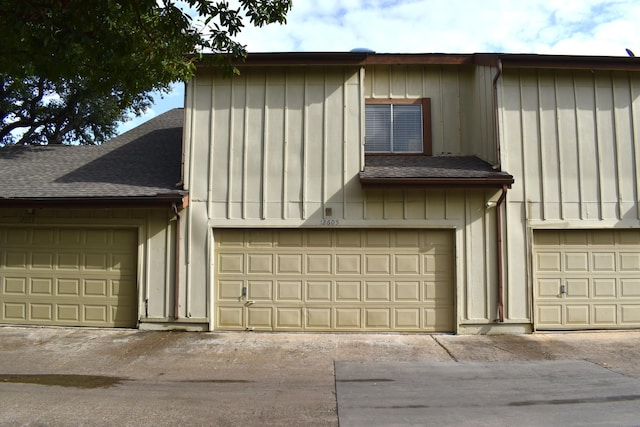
<point x="141" y="166"/>
<point x="428" y="171"/>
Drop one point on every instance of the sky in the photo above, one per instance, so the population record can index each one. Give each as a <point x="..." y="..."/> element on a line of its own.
<point x="563" y="27"/>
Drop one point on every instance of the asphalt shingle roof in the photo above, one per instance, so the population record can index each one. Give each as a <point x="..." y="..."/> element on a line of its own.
<point x="142" y="163"/>
<point x="432" y="170"/>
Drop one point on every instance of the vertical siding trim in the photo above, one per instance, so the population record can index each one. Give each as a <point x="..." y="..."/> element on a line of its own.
<point x="578" y="152"/>
<point x="486" y="257"/>
<point x="230" y="152"/>
<point x="523" y="164"/>
<point x="285" y="147"/>
<point x="616" y="145"/>
<point x="558" y="150"/>
<point x="634" y="138"/>
<point x="426" y="204"/>
<point x="265" y="151"/>
<point x="147" y="260"/>
<point x="210" y="163"/>
<point x="404" y="204"/>
<point x="245" y="148"/>
<point x="169" y="262"/>
<point x="597" y="145"/>
<point x="345" y="147"/>
<point x="362" y="117"/>
<point x="305" y="133"/>
<point x="323" y="189"/>
<point x="540" y="154"/>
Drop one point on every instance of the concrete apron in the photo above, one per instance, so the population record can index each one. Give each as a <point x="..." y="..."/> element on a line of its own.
<point x="567" y="392"/>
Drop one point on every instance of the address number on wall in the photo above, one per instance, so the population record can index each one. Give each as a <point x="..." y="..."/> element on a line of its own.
<point x="329" y="222"/>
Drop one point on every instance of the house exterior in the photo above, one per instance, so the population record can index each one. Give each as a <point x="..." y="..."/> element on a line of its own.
<point x="420" y="192"/>
<point x="87" y="233"/>
<point x="355" y="192"/>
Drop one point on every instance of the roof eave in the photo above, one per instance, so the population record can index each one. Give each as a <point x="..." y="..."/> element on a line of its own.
<point x="178" y="199"/>
<point x="450" y="183"/>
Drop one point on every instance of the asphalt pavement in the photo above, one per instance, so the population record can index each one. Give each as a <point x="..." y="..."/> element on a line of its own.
<point x="104" y="377"/>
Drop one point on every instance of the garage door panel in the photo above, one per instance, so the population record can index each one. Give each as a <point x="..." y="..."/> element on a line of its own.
<point x="378" y="318"/>
<point x="630" y="314"/>
<point x="289" y="290"/>
<point x="577" y="315"/>
<point x="630" y="288"/>
<point x="318" y="291"/>
<point x="348" y="264"/>
<point x="577" y="287"/>
<point x="259" y="264"/>
<point x="42" y="261"/>
<point x="260" y="318"/>
<point x="348" y="291"/>
<point x="345" y="280"/>
<point x="69" y="313"/>
<point x="604" y="261"/>
<point x="15" y="260"/>
<point x="599" y="273"/>
<point x="15" y="286"/>
<point x="260" y="290"/>
<point x="630" y="262"/>
<point x="407" y="318"/>
<point x="43" y="312"/>
<point x="230" y="317"/>
<point x="68" y="287"/>
<point x="68" y="276"/>
<point x="604" y="288"/>
<point x="15" y="311"/>
<point x="289" y="318"/>
<point x="289" y="264"/>
<point x="348" y="318"/>
<point x="41" y="286"/>
<point x="319" y="319"/>
<point x="95" y="313"/>
<point x="377" y="291"/>
<point x="319" y="264"/>
<point x="407" y="264"/>
<point x="605" y="315"/>
<point x="407" y="291"/>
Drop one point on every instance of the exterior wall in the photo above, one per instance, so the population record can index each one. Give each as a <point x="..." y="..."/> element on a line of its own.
<point x="156" y="248"/>
<point x="569" y="139"/>
<point x="462" y="114"/>
<point x="282" y="148"/>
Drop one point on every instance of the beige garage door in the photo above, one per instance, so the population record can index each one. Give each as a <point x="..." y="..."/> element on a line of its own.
<point x="334" y="280"/>
<point x="587" y="279"/>
<point x="68" y="276"/>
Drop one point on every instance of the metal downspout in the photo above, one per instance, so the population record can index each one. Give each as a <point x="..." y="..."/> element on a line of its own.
<point x="500" y="251"/>
<point x="496" y="121"/>
<point x="503" y="196"/>
<point x="176" y="286"/>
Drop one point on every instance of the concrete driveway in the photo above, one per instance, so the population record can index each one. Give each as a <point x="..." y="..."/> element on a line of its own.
<point x="59" y="376"/>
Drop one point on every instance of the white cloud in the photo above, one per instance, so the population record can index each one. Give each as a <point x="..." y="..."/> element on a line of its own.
<point x="452" y="26"/>
<point x="577" y="27"/>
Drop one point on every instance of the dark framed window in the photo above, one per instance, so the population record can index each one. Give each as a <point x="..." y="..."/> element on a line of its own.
<point x="399" y="126"/>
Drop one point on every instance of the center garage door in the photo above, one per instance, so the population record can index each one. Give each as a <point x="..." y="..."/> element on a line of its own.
<point x="587" y="279"/>
<point x="334" y="280"/>
<point x="68" y="276"/>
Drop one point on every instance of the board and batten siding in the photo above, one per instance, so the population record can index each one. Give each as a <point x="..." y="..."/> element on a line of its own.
<point x="155" y="254"/>
<point x="569" y="137"/>
<point x="462" y="113"/>
<point x="281" y="147"/>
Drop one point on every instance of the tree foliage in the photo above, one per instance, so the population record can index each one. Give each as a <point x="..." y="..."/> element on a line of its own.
<point x="71" y="69"/>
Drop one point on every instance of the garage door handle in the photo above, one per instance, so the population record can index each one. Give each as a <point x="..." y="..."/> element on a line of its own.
<point x="248" y="303"/>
